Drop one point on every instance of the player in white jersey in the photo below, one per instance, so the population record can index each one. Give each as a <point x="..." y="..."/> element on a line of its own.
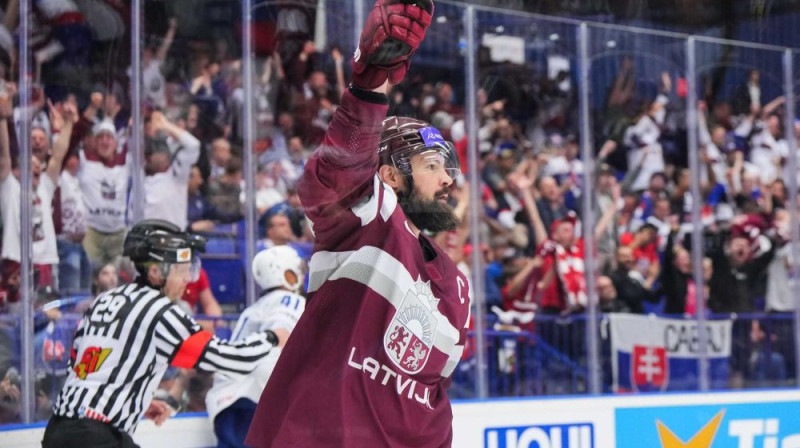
<point x="231" y="402"/>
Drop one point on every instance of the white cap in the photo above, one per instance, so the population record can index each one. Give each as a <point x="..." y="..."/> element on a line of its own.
<point x="724" y="212"/>
<point x="104" y="126"/>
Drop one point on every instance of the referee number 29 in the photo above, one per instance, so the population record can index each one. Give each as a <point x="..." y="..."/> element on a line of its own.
<point x="107" y="308"/>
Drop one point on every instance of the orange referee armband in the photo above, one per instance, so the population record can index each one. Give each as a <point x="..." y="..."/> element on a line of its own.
<point x="191" y="350"/>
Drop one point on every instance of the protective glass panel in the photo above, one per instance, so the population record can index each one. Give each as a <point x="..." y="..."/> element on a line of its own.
<point x="80" y="109"/>
<point x="638" y="100"/>
<point x="742" y="138"/>
<point x="534" y="180"/>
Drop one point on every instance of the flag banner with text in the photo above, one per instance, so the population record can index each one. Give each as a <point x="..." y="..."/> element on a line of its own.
<point x="650" y="353"/>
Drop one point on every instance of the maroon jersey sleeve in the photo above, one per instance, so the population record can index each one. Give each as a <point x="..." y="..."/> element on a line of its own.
<point x="341" y="171"/>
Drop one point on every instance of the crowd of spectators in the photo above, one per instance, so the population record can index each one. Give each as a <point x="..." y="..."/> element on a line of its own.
<point x="531" y="175"/>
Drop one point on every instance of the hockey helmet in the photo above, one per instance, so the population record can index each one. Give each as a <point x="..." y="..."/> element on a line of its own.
<point x="403" y="137"/>
<point x="270" y="266"/>
<point x="158" y="241"/>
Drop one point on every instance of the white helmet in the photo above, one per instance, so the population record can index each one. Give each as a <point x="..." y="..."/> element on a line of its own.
<point x="270" y="266"/>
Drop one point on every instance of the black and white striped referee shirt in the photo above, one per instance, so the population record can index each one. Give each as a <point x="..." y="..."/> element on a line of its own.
<point x="126" y="341"/>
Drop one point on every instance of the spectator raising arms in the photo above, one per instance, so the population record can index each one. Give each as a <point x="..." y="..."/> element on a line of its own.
<point x="170" y="154"/>
<point x="43" y="236"/>
<point x="103" y="176"/>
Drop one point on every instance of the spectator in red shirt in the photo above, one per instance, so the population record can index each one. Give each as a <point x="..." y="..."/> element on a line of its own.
<point x="644" y="243"/>
<point x="561" y="277"/>
<point x="199" y="297"/>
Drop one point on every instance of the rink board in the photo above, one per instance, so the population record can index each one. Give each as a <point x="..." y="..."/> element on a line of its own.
<point x="711" y="420"/>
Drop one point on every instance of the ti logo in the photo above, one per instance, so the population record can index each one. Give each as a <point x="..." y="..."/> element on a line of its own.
<point x="92" y="359"/>
<point x="742" y="433"/>
<point x="765" y="420"/>
<point x="703" y="439"/>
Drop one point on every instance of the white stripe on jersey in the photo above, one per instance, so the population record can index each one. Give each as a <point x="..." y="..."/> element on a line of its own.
<point x="367" y="209"/>
<point x="386" y="275"/>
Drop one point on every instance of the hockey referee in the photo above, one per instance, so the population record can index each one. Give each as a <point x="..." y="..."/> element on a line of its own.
<point x="130" y="336"/>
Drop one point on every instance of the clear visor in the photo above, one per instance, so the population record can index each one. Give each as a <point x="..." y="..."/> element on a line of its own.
<point x="438" y="158"/>
<point x="194" y="269"/>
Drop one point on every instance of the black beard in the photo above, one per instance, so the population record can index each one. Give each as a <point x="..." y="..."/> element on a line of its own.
<point x="432" y="216"/>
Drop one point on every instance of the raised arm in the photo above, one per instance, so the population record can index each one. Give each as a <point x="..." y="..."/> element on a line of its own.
<point x="608" y="214"/>
<point x="710" y="173"/>
<point x="525" y="184"/>
<point x="623" y="84"/>
<point x="524" y="276"/>
<point x="190" y="146"/>
<point x="658" y="109"/>
<point x="6" y="113"/>
<point x="11" y="16"/>
<point x="342" y="169"/>
<point x="347" y="159"/>
<point x="338" y="62"/>
<point x="161" y="55"/>
<point x="703" y="133"/>
<point x="770" y="107"/>
<point x="69" y="116"/>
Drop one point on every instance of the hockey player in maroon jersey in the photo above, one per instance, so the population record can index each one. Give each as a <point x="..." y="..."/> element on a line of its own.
<point x="369" y="362"/>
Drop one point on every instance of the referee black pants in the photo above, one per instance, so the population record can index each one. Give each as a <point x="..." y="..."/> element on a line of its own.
<point x="64" y="432"/>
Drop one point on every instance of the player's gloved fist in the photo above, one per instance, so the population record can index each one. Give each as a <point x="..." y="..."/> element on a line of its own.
<point x="272" y="338"/>
<point x="392" y="33"/>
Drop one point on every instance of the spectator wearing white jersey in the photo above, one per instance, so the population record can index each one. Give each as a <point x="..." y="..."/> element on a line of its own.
<point x="103" y="177"/>
<point x="43" y="236"/>
<point x="168" y="166"/>
<point x="152" y="60"/>
<point x="74" y="270"/>
<point x="645" y="154"/>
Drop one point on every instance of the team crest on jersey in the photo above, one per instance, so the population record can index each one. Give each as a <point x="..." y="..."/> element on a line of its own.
<point x="409" y="338"/>
<point x="108" y="189"/>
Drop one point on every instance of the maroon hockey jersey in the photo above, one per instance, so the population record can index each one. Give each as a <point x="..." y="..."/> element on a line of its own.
<point x="369" y="361"/>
